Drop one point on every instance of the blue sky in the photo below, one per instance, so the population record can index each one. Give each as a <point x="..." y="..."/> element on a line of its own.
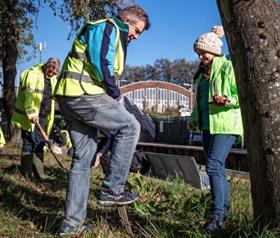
<point x="175" y="26"/>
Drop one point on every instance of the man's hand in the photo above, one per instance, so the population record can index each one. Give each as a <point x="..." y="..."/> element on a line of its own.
<point x="220" y="101"/>
<point x="97" y="160"/>
<point x="120" y="99"/>
<point x="35" y="119"/>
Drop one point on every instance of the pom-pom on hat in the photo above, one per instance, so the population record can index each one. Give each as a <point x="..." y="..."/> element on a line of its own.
<point x="210" y="42"/>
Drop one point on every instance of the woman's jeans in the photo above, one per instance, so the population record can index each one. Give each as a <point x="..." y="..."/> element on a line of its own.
<point x="216" y="150"/>
<point x="83" y="116"/>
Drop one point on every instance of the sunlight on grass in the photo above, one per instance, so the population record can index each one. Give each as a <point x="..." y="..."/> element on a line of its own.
<point x="166" y="208"/>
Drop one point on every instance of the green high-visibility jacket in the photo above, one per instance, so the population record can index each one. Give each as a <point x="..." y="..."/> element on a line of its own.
<point x="226" y="119"/>
<point x="96" y="60"/>
<point x="29" y="98"/>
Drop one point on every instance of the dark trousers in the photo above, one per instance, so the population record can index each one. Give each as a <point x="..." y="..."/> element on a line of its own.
<point x="33" y="142"/>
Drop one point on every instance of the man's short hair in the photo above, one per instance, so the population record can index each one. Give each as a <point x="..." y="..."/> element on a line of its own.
<point x="52" y="59"/>
<point x="135" y="12"/>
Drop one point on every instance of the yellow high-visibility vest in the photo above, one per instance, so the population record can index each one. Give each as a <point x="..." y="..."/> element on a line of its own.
<point x="29" y="98"/>
<point x="78" y="77"/>
<point x="2" y="138"/>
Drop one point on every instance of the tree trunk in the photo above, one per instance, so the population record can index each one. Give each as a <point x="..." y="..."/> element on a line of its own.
<point x="252" y="29"/>
<point x="10" y="42"/>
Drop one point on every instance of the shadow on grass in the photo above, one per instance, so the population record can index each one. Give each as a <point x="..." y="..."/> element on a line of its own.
<point x="43" y="204"/>
<point x="61" y="177"/>
<point x="37" y="206"/>
<point x="45" y="211"/>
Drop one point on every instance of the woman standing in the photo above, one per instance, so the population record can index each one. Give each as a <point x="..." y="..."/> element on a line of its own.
<point x="217" y="115"/>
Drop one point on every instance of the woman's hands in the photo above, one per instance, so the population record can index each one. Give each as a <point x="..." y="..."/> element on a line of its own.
<point x="220" y="101"/>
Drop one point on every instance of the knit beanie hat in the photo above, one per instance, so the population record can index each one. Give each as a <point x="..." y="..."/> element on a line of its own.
<point x="210" y="42"/>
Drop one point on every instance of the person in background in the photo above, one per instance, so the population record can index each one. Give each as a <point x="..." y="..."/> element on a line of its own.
<point x="217" y="114"/>
<point x="139" y="162"/>
<point x="88" y="96"/>
<point x="62" y="139"/>
<point x="2" y="138"/>
<point x="34" y="104"/>
<point x="103" y="151"/>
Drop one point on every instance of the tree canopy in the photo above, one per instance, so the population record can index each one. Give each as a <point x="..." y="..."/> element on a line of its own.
<point x="18" y="19"/>
<point x="22" y="14"/>
<point x="178" y="71"/>
<point x="76" y="12"/>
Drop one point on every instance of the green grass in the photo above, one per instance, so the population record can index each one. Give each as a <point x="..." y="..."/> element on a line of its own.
<point x="166" y="209"/>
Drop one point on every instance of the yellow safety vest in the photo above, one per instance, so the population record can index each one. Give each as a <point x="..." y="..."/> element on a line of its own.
<point x="2" y="138"/>
<point x="78" y="76"/>
<point x="29" y="98"/>
<point x="68" y="140"/>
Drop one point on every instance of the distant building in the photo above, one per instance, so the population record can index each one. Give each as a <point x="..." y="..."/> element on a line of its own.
<point x="159" y="95"/>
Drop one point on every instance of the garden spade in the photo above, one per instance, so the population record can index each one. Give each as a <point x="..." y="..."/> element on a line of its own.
<point x="54" y="148"/>
<point x="125" y="221"/>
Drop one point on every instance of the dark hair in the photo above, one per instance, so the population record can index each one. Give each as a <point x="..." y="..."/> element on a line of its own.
<point x="136" y="12"/>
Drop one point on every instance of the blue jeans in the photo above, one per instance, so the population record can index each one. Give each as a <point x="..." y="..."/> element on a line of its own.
<point x="216" y="150"/>
<point x="83" y="116"/>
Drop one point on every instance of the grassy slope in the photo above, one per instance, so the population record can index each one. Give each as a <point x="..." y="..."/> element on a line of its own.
<point x="167" y="208"/>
